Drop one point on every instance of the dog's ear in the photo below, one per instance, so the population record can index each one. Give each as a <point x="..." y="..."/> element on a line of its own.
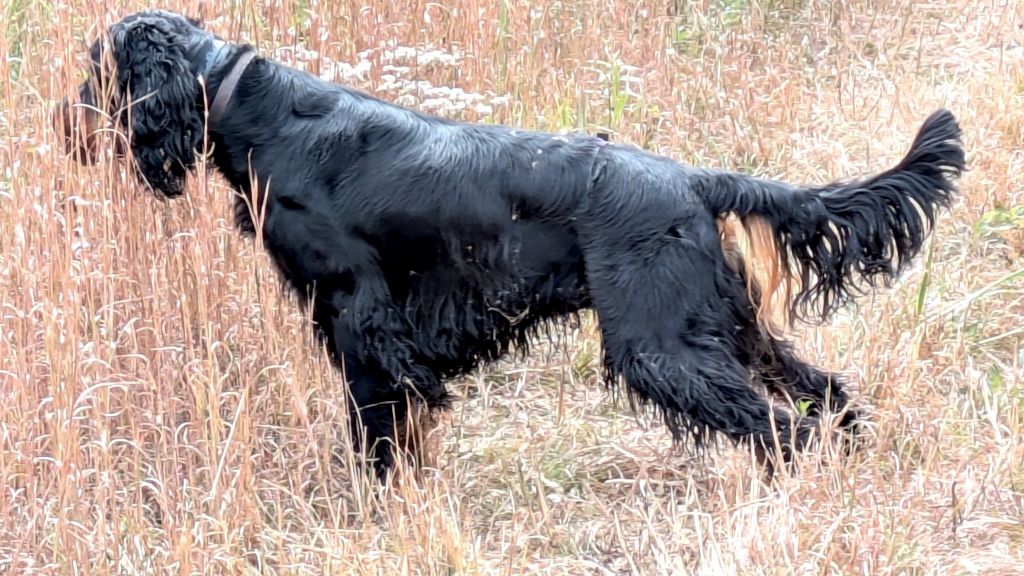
<point x="163" y="119"/>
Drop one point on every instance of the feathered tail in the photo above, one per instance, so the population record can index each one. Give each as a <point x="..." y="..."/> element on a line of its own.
<point x="817" y="247"/>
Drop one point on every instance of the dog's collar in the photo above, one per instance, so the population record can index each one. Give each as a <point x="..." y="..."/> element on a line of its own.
<point x="214" y="49"/>
<point x="228" y="85"/>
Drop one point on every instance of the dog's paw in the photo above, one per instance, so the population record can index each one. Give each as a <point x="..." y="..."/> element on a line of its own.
<point x="852" y="430"/>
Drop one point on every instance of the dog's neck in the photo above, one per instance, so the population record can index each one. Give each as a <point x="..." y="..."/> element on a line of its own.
<point x="212" y="59"/>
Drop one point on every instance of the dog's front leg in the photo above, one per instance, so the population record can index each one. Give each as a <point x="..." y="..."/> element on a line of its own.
<point x="372" y="349"/>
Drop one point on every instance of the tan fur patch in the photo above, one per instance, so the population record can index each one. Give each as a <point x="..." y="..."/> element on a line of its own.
<point x="750" y="248"/>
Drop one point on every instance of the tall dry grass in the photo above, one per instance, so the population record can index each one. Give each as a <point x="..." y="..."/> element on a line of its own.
<point x="164" y="410"/>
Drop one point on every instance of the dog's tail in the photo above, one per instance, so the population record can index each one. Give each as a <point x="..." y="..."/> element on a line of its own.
<point x="809" y="250"/>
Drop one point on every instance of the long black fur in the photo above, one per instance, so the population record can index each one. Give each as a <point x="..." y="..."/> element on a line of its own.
<point x="427" y="247"/>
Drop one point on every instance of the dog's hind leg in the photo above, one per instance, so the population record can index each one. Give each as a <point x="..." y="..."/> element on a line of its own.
<point x="669" y="312"/>
<point x="774" y="362"/>
<point x="811" y="389"/>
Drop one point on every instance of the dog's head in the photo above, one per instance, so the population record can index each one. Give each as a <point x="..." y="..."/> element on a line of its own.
<point x="144" y="81"/>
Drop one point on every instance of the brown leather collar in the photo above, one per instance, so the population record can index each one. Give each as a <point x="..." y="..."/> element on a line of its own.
<point x="228" y="85"/>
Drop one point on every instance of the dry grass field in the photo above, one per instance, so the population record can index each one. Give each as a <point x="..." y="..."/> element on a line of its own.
<point x="163" y="409"/>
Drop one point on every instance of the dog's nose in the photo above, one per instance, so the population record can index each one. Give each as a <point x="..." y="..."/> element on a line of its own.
<point x="63" y="124"/>
<point x="60" y="118"/>
<point x="75" y="128"/>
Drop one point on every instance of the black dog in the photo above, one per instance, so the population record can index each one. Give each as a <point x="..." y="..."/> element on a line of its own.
<point x="426" y="247"/>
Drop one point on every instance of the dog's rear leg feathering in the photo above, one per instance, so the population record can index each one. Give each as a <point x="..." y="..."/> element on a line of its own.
<point x="828" y="244"/>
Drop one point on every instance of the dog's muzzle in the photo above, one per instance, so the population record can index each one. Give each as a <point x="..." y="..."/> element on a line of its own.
<point x="76" y="123"/>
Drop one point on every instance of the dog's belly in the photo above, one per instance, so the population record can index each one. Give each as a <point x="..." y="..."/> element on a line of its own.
<point x="468" y="309"/>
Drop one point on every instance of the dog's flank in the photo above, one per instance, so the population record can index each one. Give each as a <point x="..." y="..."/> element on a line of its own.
<point x="426" y="247"/>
